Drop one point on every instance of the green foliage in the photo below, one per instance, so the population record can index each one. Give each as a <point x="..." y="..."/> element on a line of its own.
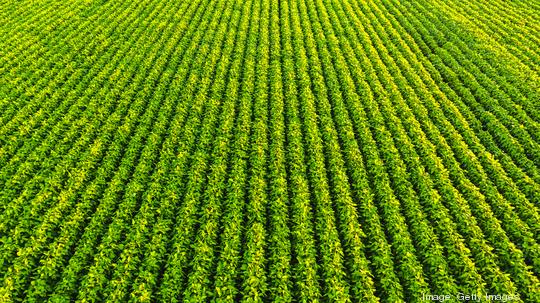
<point x="269" y="151"/>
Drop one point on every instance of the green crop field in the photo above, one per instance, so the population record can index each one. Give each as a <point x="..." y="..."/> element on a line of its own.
<point x="269" y="151"/>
